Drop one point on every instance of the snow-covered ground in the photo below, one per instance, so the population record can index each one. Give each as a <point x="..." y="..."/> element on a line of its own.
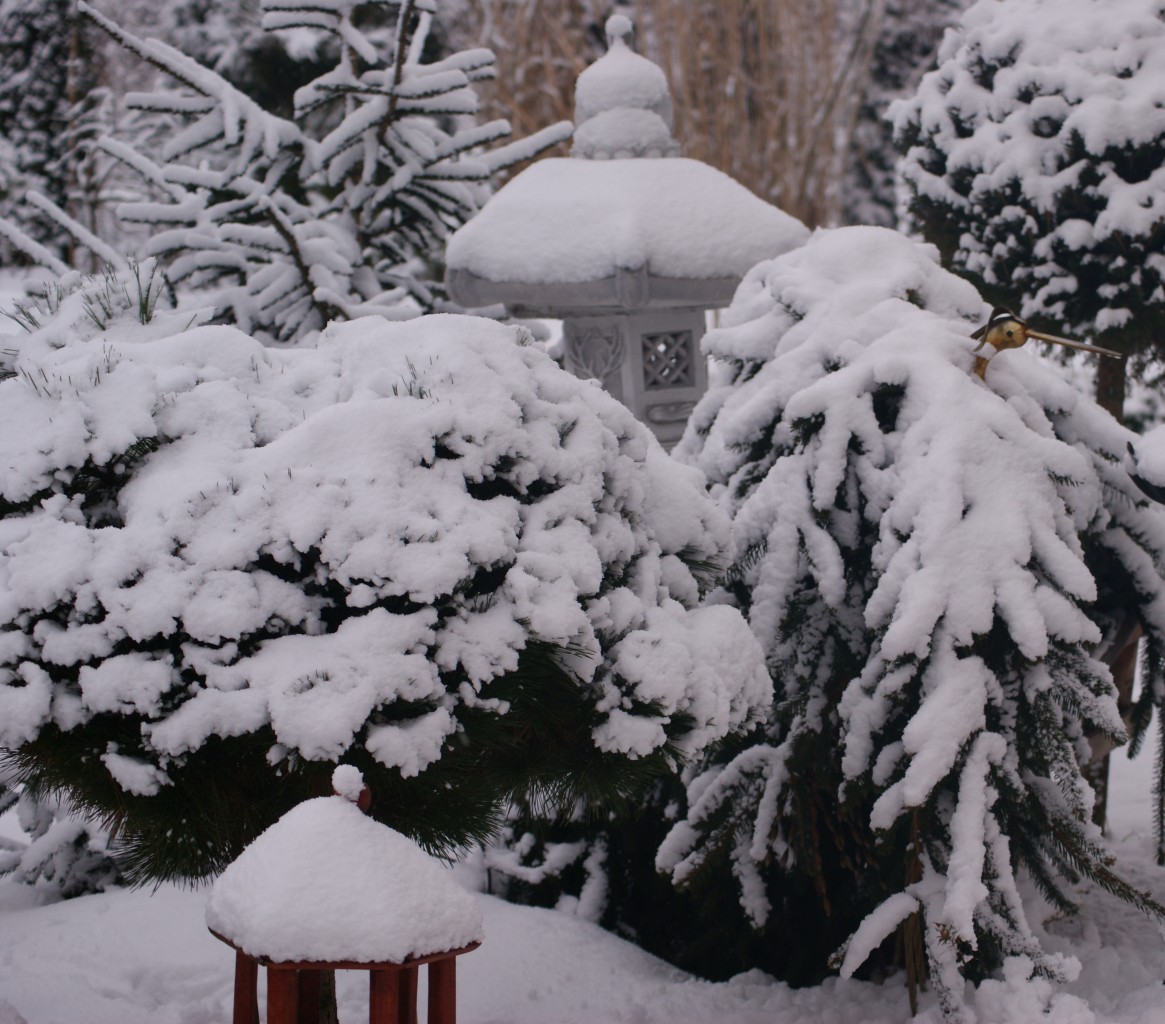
<point x="141" y="957"/>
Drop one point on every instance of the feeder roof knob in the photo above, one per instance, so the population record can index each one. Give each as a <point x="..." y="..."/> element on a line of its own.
<point x="349" y="783"/>
<point x="619" y="29"/>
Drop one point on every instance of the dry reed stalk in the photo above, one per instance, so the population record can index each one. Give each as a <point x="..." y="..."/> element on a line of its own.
<point x="541" y="47"/>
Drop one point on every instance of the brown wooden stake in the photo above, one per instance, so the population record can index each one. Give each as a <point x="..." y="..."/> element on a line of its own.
<point x="912" y="939"/>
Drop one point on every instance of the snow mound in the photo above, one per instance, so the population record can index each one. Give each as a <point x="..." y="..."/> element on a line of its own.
<point x="327" y="883"/>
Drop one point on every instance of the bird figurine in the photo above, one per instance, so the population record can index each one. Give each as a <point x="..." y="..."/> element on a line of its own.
<point x="1006" y="330"/>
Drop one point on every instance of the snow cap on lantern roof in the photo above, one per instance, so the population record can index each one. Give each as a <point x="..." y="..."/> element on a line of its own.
<point x="622" y="104"/>
<point x="327" y="883"/>
<point x="615" y="234"/>
<point x="570" y="237"/>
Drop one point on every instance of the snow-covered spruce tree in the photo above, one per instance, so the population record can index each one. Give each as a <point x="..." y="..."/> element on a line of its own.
<point x="908" y="34"/>
<point x="421" y="547"/>
<point x="930" y="562"/>
<point x="1035" y="156"/>
<point x="338" y="211"/>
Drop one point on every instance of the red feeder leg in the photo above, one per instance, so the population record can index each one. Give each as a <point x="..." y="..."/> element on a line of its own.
<point x="383" y="997"/>
<point x="443" y="992"/>
<point x="408" y="995"/>
<point x="282" y="995"/>
<point x="246" y="1004"/>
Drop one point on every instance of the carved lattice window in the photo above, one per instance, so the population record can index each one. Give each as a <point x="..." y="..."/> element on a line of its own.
<point x="668" y="360"/>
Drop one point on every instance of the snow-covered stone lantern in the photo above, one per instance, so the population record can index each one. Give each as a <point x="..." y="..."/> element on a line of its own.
<point x="626" y="242"/>
<point x="326" y="888"/>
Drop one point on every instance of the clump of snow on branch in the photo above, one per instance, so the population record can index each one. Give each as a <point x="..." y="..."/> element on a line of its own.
<point x="346" y="545"/>
<point x="919" y="553"/>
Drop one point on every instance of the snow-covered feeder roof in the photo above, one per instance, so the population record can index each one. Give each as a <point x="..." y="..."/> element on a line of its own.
<point x="615" y="234"/>
<point x="326" y="883"/>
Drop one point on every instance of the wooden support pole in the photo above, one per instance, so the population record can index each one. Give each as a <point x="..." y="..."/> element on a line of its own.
<point x="408" y="995"/>
<point x="383" y="996"/>
<point x="443" y="992"/>
<point x="246" y="1004"/>
<point x="309" y="997"/>
<point x="282" y="995"/>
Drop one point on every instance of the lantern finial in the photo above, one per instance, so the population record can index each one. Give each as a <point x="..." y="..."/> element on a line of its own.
<point x="622" y="103"/>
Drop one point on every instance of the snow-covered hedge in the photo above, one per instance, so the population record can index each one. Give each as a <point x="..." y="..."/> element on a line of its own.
<point x="933" y="564"/>
<point x="1035" y="160"/>
<point x="422" y="547"/>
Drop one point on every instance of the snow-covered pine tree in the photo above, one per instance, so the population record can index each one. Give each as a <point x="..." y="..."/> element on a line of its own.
<point x="65" y="856"/>
<point x="1035" y="156"/>
<point x="339" y="211"/>
<point x="42" y="76"/>
<point x="420" y="547"/>
<point x="270" y="67"/>
<point x="930" y="562"/>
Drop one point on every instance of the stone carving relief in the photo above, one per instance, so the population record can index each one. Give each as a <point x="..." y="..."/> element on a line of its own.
<point x="596" y="351"/>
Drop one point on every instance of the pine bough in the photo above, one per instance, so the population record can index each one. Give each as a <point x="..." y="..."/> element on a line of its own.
<point x="337" y="212"/>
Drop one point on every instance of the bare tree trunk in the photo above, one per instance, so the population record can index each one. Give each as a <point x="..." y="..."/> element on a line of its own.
<point x="329" y="1013"/>
<point x="1121" y="658"/>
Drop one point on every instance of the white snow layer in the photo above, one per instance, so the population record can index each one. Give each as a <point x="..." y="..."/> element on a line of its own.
<point x="370" y="457"/>
<point x="326" y="882"/>
<point x="567" y="221"/>
<point x="145" y="957"/>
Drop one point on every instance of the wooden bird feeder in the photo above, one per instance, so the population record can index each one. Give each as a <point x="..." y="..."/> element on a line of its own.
<point x="293" y="988"/>
<point x="327" y="889"/>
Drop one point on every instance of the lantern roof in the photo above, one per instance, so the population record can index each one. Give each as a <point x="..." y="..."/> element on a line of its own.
<point x="327" y="883"/>
<point x="611" y="228"/>
<point x="615" y="233"/>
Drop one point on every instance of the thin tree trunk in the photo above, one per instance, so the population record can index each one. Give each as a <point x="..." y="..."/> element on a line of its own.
<point x="1110" y="386"/>
<point x="1121" y="656"/>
